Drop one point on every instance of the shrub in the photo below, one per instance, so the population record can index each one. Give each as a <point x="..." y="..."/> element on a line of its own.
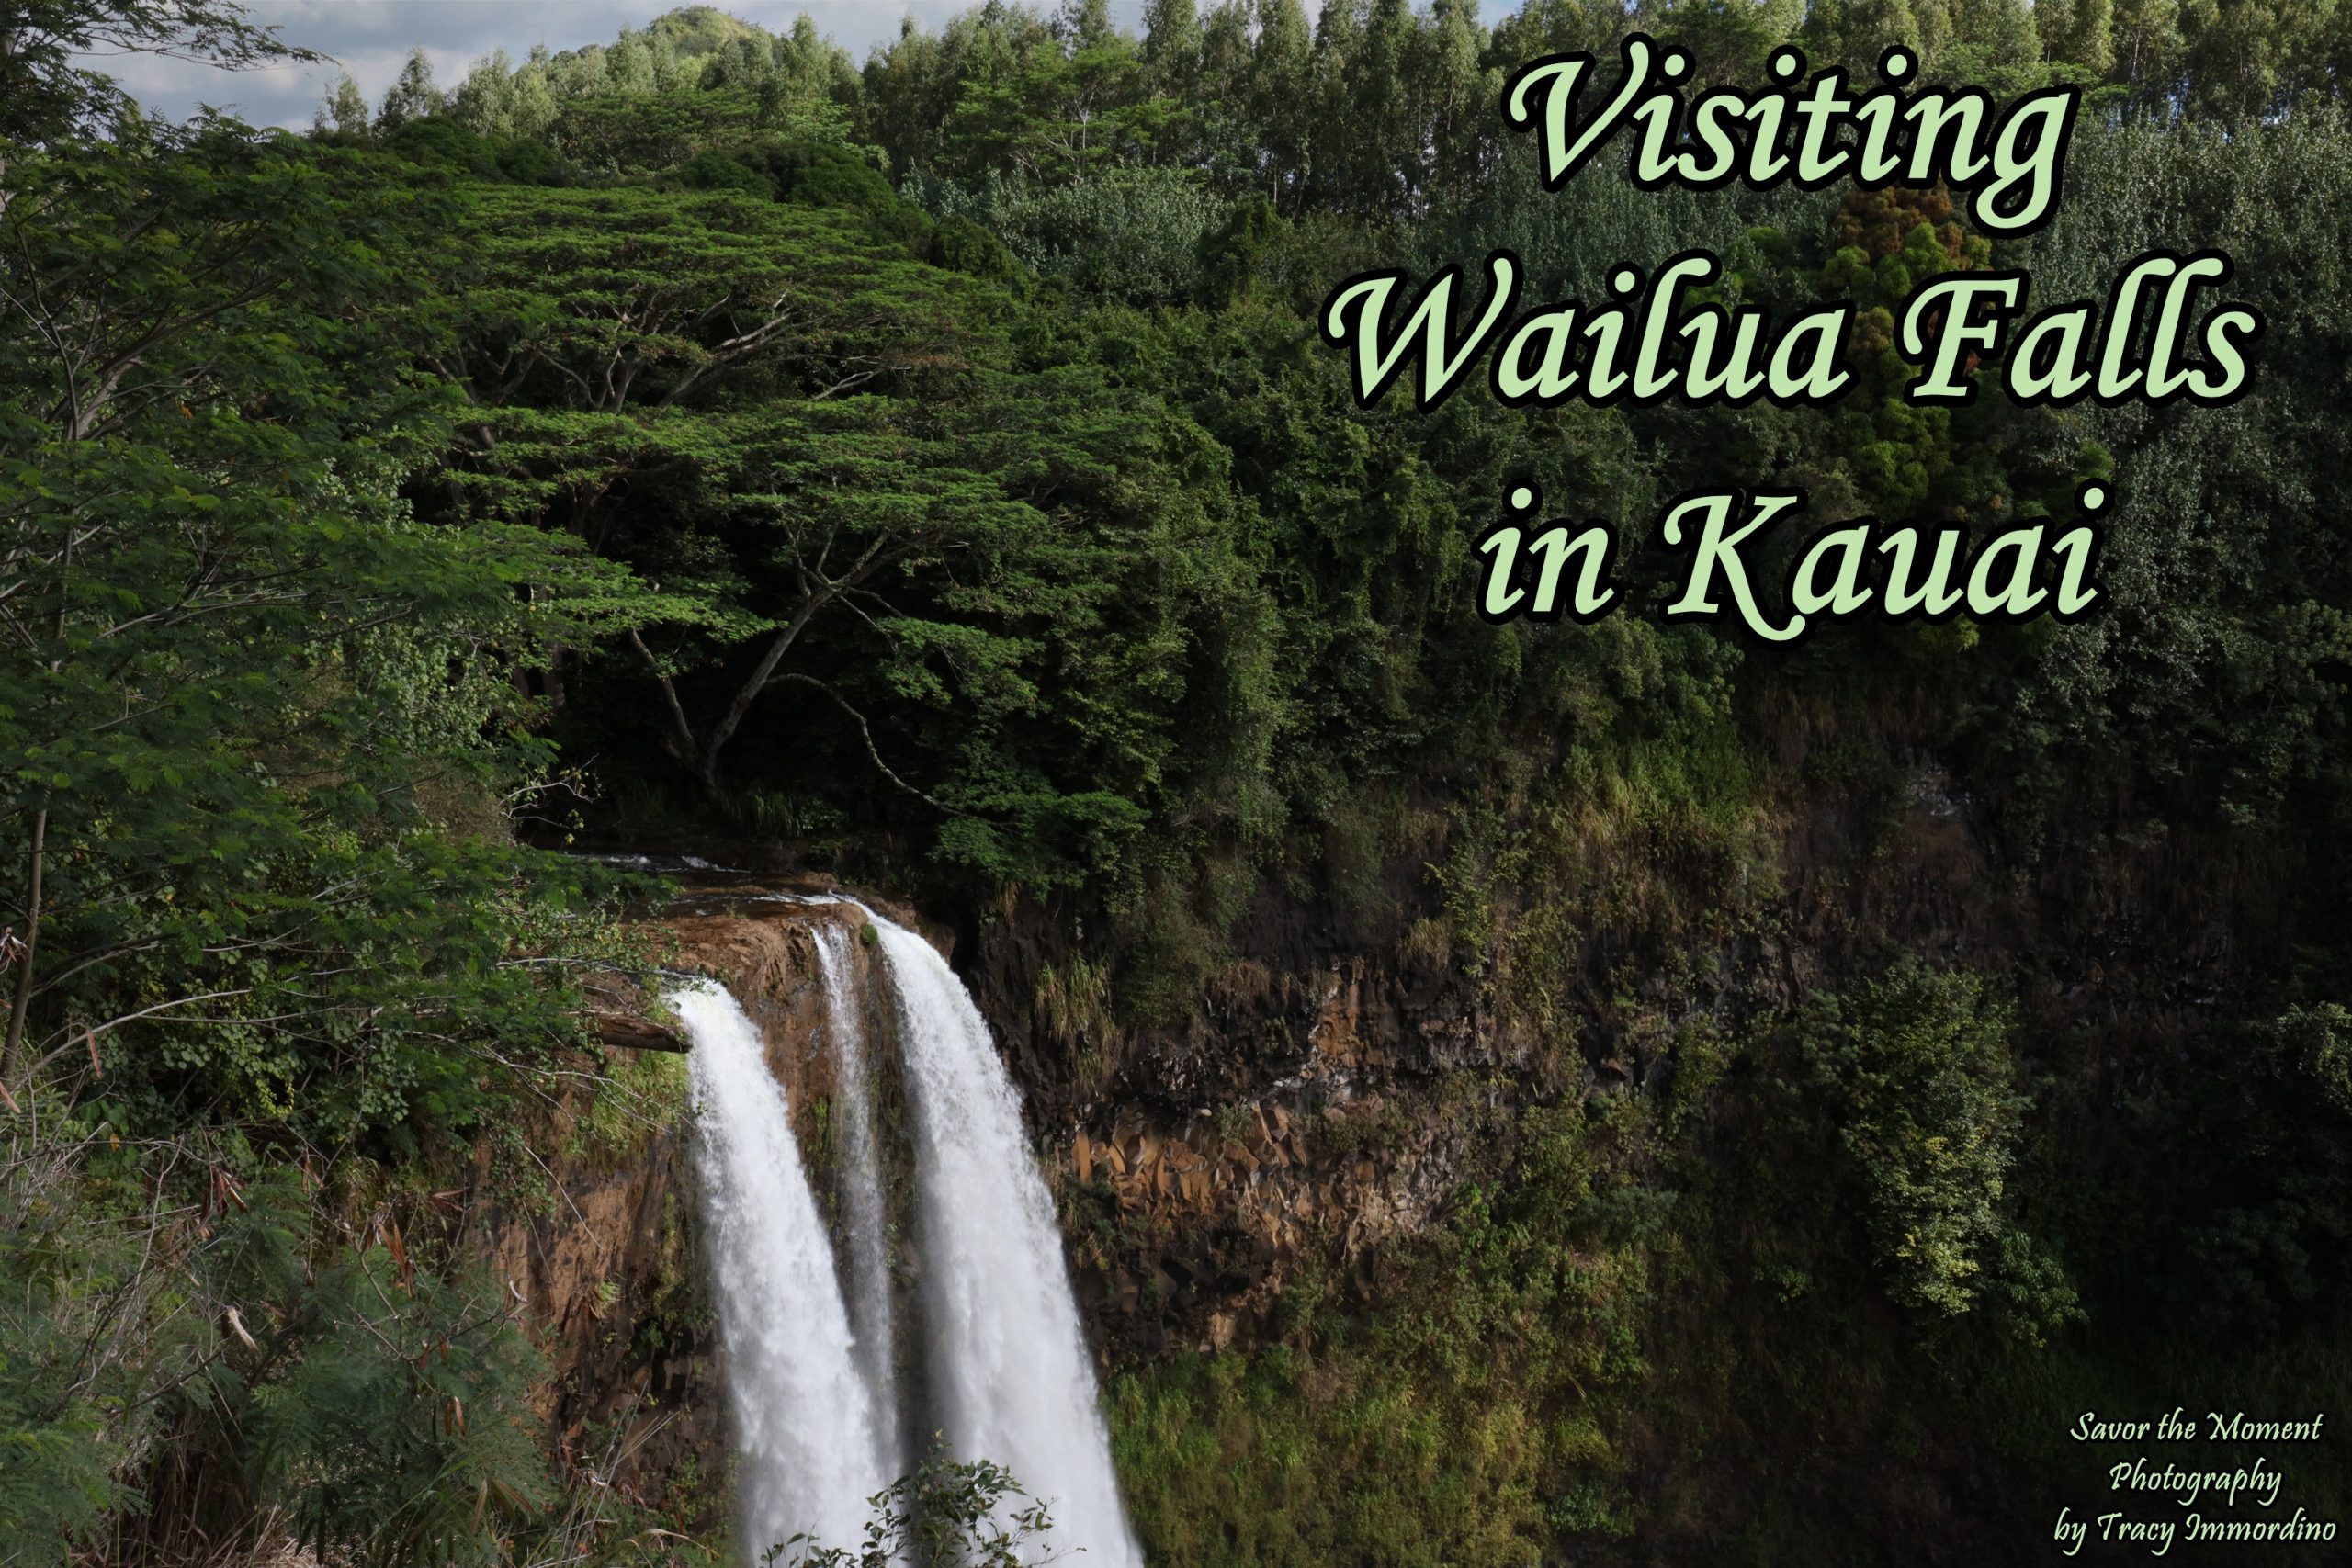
<point x="1922" y="1087"/>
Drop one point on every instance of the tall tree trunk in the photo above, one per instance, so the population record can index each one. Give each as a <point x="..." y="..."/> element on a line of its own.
<point x="761" y="678"/>
<point x="24" y="1000"/>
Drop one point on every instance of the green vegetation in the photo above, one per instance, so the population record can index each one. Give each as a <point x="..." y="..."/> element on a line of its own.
<point x="928" y="469"/>
<point x="1916" y="1071"/>
<point x="959" y="1515"/>
<point x="1428" y="1431"/>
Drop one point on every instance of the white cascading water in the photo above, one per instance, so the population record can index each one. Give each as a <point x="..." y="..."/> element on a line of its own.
<point x="1008" y="1365"/>
<point x="859" y="1167"/>
<point x="805" y="1421"/>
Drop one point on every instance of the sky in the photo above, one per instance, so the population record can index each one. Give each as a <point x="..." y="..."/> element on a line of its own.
<point x="371" y="38"/>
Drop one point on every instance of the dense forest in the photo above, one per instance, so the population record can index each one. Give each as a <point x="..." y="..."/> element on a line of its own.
<point x="928" y="471"/>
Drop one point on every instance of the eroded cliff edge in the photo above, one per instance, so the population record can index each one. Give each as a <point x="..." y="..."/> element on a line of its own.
<point x="599" y="1240"/>
<point x="1362" y="1104"/>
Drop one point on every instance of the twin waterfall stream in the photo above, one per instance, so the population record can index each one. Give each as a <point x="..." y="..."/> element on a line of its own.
<point x="826" y="1412"/>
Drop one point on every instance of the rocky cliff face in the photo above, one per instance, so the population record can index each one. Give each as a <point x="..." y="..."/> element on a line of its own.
<point x="1306" y="1114"/>
<point x="1287" y="1123"/>
<point x="602" y="1256"/>
<point x="603" y="1249"/>
<point x="1327" y="1090"/>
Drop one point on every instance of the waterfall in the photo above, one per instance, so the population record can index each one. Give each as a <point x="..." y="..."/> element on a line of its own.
<point x="1009" y="1366"/>
<point x="810" y="1368"/>
<point x="805" y="1423"/>
<point x="865" y="1220"/>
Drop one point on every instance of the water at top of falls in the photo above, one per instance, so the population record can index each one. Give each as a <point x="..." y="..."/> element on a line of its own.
<point x="865" y="1222"/>
<point x="1008" y="1364"/>
<point x="805" y="1427"/>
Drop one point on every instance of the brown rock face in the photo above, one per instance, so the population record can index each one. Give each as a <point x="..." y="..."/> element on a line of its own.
<point x="767" y="957"/>
<point x="602" y="1259"/>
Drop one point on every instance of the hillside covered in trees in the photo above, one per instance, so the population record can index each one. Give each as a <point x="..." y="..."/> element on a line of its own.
<point x="927" y="470"/>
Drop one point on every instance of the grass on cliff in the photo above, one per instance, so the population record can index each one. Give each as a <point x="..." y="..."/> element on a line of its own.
<point x="1447" y="1427"/>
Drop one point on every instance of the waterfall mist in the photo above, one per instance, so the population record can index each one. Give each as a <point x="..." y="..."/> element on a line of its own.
<point x="805" y="1423"/>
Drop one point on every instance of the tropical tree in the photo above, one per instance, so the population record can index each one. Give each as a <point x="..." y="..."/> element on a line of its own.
<point x="236" y="737"/>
